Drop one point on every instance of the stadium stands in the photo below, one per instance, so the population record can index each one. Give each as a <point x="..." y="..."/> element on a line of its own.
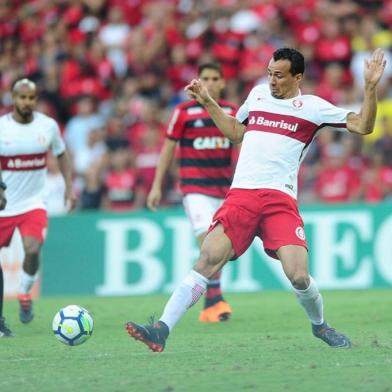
<point x="110" y="72"/>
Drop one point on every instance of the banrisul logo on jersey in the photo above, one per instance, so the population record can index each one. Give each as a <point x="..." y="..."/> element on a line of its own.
<point x="23" y="162"/>
<point x="281" y="124"/>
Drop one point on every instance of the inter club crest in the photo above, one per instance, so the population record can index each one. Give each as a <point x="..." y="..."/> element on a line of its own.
<point x="297" y="103"/>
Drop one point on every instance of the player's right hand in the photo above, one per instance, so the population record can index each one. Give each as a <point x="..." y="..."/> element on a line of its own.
<point x="154" y="198"/>
<point x="3" y="200"/>
<point x="196" y="90"/>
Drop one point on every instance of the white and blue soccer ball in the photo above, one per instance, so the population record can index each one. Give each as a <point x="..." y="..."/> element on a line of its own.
<point x="72" y="325"/>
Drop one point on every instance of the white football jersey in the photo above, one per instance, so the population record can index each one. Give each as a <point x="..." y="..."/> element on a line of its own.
<point x="23" y="149"/>
<point x="277" y="136"/>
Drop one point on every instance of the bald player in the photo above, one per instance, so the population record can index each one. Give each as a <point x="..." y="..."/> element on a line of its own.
<point x="25" y="138"/>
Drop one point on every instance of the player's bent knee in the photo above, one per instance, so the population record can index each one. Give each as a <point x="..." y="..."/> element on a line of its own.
<point x="32" y="251"/>
<point x="300" y="281"/>
<point x="208" y="263"/>
<point x="208" y="259"/>
<point x="32" y="248"/>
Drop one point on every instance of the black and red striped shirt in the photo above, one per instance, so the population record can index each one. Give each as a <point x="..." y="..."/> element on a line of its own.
<point x="206" y="155"/>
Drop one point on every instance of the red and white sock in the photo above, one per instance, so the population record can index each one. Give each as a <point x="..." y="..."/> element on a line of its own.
<point x="184" y="296"/>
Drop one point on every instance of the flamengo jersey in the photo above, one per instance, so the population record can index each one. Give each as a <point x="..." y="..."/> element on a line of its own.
<point x="23" y="149"/>
<point x="205" y="154"/>
<point x="277" y="136"/>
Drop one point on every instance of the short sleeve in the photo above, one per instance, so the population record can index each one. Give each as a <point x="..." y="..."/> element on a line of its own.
<point x="243" y="112"/>
<point x="175" y="127"/>
<point x="57" y="144"/>
<point x="331" y="115"/>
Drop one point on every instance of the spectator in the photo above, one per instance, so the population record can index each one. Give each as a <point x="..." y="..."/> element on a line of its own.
<point x="92" y="192"/>
<point x="54" y="188"/>
<point x="384" y="143"/>
<point x="79" y="127"/>
<point x="122" y="183"/>
<point x="377" y="179"/>
<point x="147" y="157"/>
<point x="113" y="35"/>
<point x="92" y="154"/>
<point x="336" y="182"/>
<point x="134" y="56"/>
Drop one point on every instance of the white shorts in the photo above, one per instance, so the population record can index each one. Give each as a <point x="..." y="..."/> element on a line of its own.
<point x="200" y="209"/>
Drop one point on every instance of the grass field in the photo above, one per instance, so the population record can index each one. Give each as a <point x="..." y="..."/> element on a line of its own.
<point x="267" y="346"/>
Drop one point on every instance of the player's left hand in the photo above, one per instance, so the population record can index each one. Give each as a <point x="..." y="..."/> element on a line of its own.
<point x="374" y="68"/>
<point x="70" y="200"/>
<point x="3" y="200"/>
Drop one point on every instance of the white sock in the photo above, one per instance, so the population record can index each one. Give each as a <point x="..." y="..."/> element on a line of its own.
<point x="184" y="296"/>
<point x="26" y="282"/>
<point x="312" y="302"/>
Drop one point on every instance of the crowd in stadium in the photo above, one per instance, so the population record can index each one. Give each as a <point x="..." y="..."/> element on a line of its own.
<point x="111" y="71"/>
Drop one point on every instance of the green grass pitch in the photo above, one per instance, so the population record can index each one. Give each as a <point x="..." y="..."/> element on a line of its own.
<point x="267" y="346"/>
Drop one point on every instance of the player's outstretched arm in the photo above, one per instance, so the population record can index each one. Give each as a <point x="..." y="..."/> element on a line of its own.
<point x="227" y="124"/>
<point x="66" y="170"/>
<point x="363" y="122"/>
<point x="155" y="195"/>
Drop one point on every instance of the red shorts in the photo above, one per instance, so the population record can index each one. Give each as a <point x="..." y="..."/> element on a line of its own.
<point x="269" y="214"/>
<point x="33" y="223"/>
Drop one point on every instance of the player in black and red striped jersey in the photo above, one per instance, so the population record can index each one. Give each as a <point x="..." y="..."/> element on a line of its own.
<point x="206" y="166"/>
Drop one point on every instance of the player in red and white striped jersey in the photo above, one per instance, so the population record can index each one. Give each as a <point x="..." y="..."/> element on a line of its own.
<point x="275" y="124"/>
<point x="206" y="166"/>
<point x="25" y="138"/>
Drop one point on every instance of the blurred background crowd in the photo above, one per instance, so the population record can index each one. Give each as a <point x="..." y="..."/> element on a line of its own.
<point x="111" y="71"/>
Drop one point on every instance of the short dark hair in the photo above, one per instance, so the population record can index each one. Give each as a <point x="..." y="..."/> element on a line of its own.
<point x="296" y="59"/>
<point x="214" y="66"/>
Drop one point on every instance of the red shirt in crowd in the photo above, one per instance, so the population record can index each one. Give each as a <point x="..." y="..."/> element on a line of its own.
<point x="376" y="183"/>
<point x="121" y="189"/>
<point x="337" y="184"/>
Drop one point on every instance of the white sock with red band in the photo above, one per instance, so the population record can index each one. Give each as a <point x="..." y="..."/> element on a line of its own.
<point x="26" y="282"/>
<point x="184" y="296"/>
<point x="312" y="302"/>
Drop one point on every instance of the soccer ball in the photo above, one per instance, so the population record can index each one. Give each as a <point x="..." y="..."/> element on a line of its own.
<point x="72" y="325"/>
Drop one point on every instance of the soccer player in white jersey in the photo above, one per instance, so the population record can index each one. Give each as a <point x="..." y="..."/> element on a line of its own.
<point x="25" y="138"/>
<point x="275" y="124"/>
